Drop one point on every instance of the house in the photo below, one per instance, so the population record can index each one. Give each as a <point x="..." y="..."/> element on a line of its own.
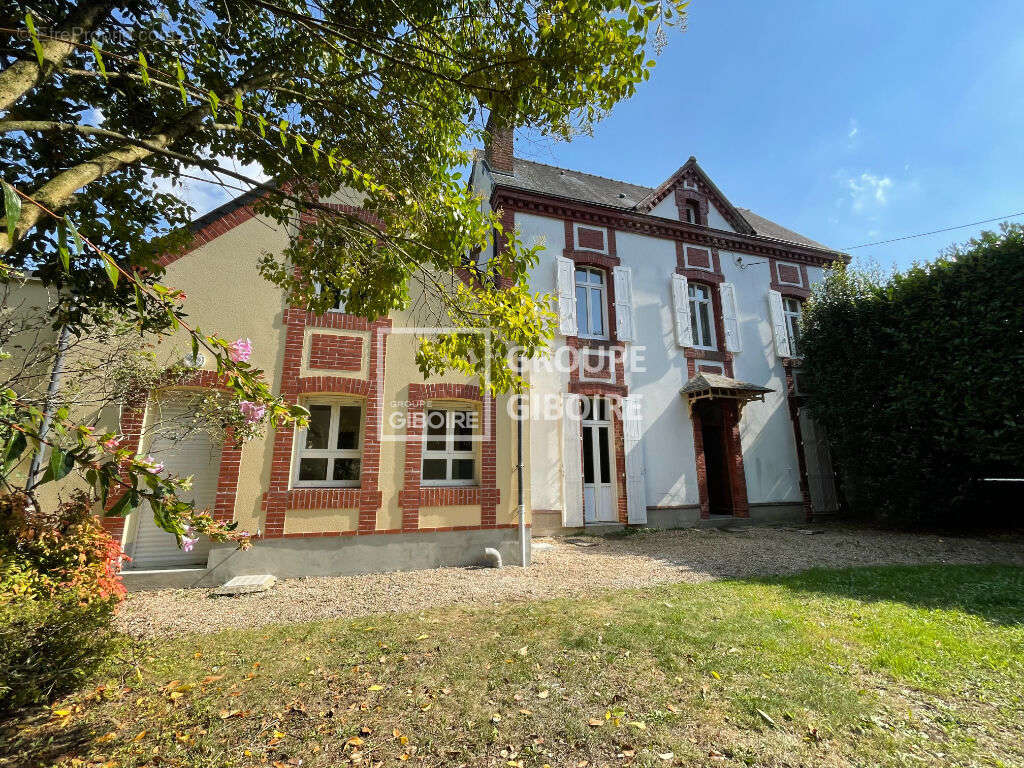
<point x="671" y="395"/>
<point x="683" y="312"/>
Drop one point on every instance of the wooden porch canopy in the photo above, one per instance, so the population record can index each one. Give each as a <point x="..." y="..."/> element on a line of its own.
<point x="711" y="385"/>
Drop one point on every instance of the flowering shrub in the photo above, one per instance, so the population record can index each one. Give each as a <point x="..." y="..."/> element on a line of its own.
<point x="63" y="552"/>
<point x="59" y="585"/>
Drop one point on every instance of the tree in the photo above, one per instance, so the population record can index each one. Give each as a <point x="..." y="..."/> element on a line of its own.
<point x="107" y="107"/>
<point x="915" y="377"/>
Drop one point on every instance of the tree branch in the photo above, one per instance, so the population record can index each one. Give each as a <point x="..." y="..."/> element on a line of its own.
<point x="23" y="75"/>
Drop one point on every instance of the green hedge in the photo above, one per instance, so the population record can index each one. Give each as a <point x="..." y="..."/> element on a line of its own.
<point x="918" y="379"/>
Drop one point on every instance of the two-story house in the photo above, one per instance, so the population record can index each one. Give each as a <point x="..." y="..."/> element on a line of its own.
<point x="679" y="321"/>
<point x="671" y="394"/>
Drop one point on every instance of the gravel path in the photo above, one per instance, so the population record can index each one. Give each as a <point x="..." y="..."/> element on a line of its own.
<point x="566" y="569"/>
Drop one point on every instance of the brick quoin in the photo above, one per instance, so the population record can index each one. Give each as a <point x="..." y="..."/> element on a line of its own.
<point x="335" y="353"/>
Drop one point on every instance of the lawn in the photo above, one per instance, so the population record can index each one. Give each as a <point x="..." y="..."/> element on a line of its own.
<point x="919" y="665"/>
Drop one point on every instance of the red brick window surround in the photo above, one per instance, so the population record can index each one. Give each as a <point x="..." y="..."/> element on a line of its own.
<point x="692" y="205"/>
<point x="331" y="352"/>
<point x="711" y="278"/>
<point x="133" y="417"/>
<point x="415" y="493"/>
<point x="281" y="495"/>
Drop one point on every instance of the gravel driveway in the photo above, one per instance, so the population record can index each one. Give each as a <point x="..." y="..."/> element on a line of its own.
<point x="566" y="569"/>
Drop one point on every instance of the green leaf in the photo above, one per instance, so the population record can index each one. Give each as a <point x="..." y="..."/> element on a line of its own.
<point x="281" y="126"/>
<point x="110" y="267"/>
<point x="262" y="123"/>
<point x="238" y="109"/>
<point x="12" y="451"/>
<point x="62" y="245"/>
<point x="35" y="38"/>
<point x="122" y="507"/>
<point x="79" y="243"/>
<point x="61" y="463"/>
<point x="99" y="59"/>
<point x="315" y="146"/>
<point x="12" y="208"/>
<point x="144" y="69"/>
<point x="214" y="104"/>
<point x="179" y="75"/>
<point x="174" y="318"/>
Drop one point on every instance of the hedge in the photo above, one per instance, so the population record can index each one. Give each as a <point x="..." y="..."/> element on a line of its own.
<point x="918" y="379"/>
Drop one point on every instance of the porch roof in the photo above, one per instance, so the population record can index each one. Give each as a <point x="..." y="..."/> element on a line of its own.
<point x="708" y="385"/>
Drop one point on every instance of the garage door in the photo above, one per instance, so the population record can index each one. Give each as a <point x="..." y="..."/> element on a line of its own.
<point x="184" y="450"/>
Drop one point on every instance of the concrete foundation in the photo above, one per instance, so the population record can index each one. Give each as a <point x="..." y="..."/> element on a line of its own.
<point x="351" y="555"/>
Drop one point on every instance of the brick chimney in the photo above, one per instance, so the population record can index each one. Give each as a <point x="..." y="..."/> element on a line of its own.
<point x="499" y="143"/>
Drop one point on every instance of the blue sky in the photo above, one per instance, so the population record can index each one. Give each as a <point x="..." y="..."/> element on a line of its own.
<point x="847" y="122"/>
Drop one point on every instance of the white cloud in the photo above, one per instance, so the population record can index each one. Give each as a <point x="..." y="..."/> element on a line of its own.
<point x="851" y="134"/>
<point x="868" y="190"/>
<point x="204" y="196"/>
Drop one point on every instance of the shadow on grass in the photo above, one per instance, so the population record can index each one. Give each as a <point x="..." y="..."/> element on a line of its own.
<point x="992" y="592"/>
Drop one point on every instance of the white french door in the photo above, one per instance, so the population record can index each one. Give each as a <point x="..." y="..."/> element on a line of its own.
<point x="598" y="506"/>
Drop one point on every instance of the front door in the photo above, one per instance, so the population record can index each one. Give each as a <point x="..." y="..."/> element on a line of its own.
<point x="716" y="461"/>
<point x="598" y="504"/>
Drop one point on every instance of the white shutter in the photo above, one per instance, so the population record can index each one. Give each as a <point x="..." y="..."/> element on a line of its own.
<point x="730" y="317"/>
<point x="636" y="472"/>
<point x="623" y="278"/>
<point x="681" y="309"/>
<point x="572" y="464"/>
<point x="778" y="318"/>
<point x="565" y="274"/>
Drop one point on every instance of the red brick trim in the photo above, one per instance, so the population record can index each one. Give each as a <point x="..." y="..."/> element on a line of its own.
<point x="655" y="226"/>
<point x="693" y="173"/>
<point x="711" y="279"/>
<point x="734" y="453"/>
<point x="414" y="495"/>
<point x="280" y="496"/>
<point x="802" y="291"/>
<point x="133" y="416"/>
<point x="330" y="352"/>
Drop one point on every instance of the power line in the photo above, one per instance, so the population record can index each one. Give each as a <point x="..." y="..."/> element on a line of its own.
<point x="936" y="231"/>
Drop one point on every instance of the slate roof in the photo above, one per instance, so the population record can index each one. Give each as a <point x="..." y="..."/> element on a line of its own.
<point x="567" y="184"/>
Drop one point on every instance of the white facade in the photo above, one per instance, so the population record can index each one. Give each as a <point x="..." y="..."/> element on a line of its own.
<point x="656" y="434"/>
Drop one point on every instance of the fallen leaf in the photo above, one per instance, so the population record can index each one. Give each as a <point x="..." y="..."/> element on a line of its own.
<point x="543" y="694"/>
<point x="766" y="718"/>
<point x="525" y="712"/>
<point x="594" y="722"/>
<point x="667" y="755"/>
<point x="141" y="736"/>
<point x="375" y="688"/>
<point x="523" y="650"/>
<point x="211" y="679"/>
<point x="715" y="675"/>
<point x="674" y="708"/>
<point x="638" y="724"/>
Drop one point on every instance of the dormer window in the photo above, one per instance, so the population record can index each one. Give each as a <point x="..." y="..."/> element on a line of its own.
<point x="692" y="213"/>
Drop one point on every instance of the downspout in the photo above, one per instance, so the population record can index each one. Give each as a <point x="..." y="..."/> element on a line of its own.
<point x="523" y="542"/>
<point x="49" y="406"/>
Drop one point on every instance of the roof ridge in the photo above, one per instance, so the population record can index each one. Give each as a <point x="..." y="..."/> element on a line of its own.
<point x="585" y="173"/>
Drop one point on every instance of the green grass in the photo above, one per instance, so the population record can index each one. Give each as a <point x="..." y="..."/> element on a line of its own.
<point x="873" y="666"/>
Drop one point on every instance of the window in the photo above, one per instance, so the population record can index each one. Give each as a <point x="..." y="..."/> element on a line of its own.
<point x="692" y="215"/>
<point x="591" y="307"/>
<point x="448" y="457"/>
<point x="339" y="300"/>
<point x="792" y="309"/>
<point x="330" y="448"/>
<point x="701" y="316"/>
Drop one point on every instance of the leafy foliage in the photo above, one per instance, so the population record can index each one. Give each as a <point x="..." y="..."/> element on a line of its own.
<point x="59" y="584"/>
<point x="916" y="377"/>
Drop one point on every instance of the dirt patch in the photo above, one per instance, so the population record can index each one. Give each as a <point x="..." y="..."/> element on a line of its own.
<point x="565" y="570"/>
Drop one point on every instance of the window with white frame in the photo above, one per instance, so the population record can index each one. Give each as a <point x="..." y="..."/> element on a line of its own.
<point x="329" y="453"/>
<point x="448" y="455"/>
<point x="339" y="300"/>
<point x="792" y="309"/>
<point x="702" y="316"/>
<point x="591" y="303"/>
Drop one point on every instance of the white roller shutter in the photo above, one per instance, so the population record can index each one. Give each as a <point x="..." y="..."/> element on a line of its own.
<point x="624" y="325"/>
<point x="195" y="455"/>
<point x="565" y="279"/>
<point x="681" y="311"/>
<point x="632" y="434"/>
<point x="572" y="464"/>
<point x="730" y="317"/>
<point x="778" y="318"/>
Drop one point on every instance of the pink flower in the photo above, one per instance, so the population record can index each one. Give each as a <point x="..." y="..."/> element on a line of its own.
<point x="253" y="412"/>
<point x="112" y="444"/>
<point x="240" y="351"/>
<point x="152" y="465"/>
<point x="188" y="541"/>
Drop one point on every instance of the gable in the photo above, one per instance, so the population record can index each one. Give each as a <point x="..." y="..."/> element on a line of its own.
<point x="690" y="177"/>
